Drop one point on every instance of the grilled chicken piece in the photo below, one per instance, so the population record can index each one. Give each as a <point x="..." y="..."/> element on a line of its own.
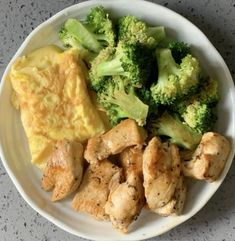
<point x="94" y="190"/>
<point x="131" y="159"/>
<point x="125" y="134"/>
<point x="176" y="204"/>
<point x="162" y="181"/>
<point x="64" y="169"/>
<point x="127" y="199"/>
<point x="125" y="202"/>
<point x="209" y="158"/>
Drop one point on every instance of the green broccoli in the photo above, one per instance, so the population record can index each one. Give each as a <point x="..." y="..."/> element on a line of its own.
<point x="97" y="82"/>
<point x="127" y="60"/>
<point x="197" y="110"/>
<point x="133" y="30"/>
<point x="179" y="50"/>
<point x="99" y="22"/>
<point x="208" y="92"/>
<point x="121" y="101"/>
<point x="175" y="81"/>
<point x="69" y="41"/>
<point x="94" y="34"/>
<point x="198" y="116"/>
<point x="178" y="132"/>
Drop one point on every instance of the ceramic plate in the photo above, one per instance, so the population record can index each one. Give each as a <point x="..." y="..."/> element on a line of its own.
<point x="13" y="144"/>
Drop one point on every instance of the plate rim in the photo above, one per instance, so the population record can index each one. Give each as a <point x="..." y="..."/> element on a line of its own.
<point x="19" y="187"/>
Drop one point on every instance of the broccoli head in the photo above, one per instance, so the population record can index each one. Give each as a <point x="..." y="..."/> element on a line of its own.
<point x="179" y="50"/>
<point x="175" y="81"/>
<point x="120" y="101"/>
<point x="128" y="60"/>
<point x="97" y="82"/>
<point x="94" y="34"/>
<point x="197" y="110"/>
<point x="99" y="22"/>
<point x="208" y="92"/>
<point x="133" y="30"/>
<point x="199" y="117"/>
<point x="179" y="133"/>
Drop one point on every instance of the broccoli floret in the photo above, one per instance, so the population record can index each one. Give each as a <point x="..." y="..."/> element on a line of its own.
<point x="198" y="116"/>
<point x="175" y="81"/>
<point x="69" y="41"/>
<point x="78" y="31"/>
<point x="178" y="132"/>
<point x="197" y="110"/>
<point x="121" y="101"/>
<point x="99" y="22"/>
<point x="133" y="30"/>
<point x="208" y="93"/>
<point x="128" y="60"/>
<point x="97" y="82"/>
<point x="179" y="50"/>
<point x="94" y="34"/>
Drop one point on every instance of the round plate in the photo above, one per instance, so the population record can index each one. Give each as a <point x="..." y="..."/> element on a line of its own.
<point x="13" y="143"/>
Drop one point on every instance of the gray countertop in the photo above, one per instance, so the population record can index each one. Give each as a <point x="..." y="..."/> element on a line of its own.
<point x="216" y="221"/>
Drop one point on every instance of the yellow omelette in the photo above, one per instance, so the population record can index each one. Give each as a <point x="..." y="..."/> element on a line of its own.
<point x="50" y="91"/>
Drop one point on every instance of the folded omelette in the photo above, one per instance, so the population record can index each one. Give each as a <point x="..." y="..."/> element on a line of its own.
<point x="49" y="88"/>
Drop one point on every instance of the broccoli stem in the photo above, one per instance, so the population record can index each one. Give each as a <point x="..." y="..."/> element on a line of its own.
<point x="69" y="41"/>
<point x="113" y="67"/>
<point x="157" y="32"/>
<point x="130" y="106"/>
<point x="180" y="133"/>
<point x="101" y="37"/>
<point x="166" y="65"/>
<point x="121" y="101"/>
<point x="81" y="33"/>
<point x="83" y="52"/>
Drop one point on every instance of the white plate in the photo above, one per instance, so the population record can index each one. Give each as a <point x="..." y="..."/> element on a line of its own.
<point x="13" y="144"/>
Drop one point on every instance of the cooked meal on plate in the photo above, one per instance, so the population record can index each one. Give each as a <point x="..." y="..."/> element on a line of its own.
<point x="118" y="117"/>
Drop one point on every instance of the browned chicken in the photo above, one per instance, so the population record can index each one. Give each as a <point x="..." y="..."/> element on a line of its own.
<point x="125" y="134"/>
<point x="127" y="199"/>
<point x="162" y="177"/>
<point x="125" y="202"/>
<point x="64" y="169"/>
<point x="131" y="159"/>
<point x="94" y="190"/>
<point x="176" y="204"/>
<point x="209" y="158"/>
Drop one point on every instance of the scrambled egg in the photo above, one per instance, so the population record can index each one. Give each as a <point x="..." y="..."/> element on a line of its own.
<point x="50" y="91"/>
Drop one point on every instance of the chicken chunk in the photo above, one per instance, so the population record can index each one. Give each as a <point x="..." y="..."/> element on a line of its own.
<point x="161" y="171"/>
<point x="131" y="159"/>
<point x="64" y="169"/>
<point x="127" y="199"/>
<point x="209" y="159"/>
<point x="176" y="204"/>
<point x="94" y="190"/>
<point x="125" y="134"/>
<point x="125" y="202"/>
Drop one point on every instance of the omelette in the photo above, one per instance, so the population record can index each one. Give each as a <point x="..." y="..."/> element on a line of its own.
<point x="50" y="90"/>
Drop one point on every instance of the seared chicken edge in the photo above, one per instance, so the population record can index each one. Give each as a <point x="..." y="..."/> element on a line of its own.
<point x="126" y="199"/>
<point x="209" y="159"/>
<point x="64" y="169"/>
<point x="94" y="190"/>
<point x="125" y="134"/>
<point x="163" y="184"/>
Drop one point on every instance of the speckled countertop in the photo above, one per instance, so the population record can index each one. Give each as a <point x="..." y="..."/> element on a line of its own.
<point x="216" y="221"/>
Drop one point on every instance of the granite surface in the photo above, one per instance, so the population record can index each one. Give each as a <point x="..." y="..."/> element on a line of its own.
<point x="216" y="221"/>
